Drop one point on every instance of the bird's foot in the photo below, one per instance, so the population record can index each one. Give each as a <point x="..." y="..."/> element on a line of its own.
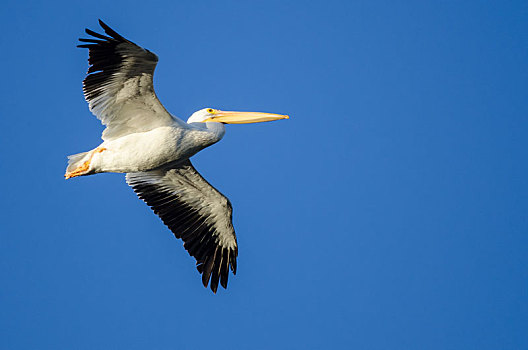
<point x="84" y="167"/>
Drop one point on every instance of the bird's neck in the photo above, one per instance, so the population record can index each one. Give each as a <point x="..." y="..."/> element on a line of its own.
<point x="214" y="129"/>
<point x="218" y="129"/>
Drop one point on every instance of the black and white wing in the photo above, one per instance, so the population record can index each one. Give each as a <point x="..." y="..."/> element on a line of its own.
<point x="195" y="212"/>
<point x="119" y="87"/>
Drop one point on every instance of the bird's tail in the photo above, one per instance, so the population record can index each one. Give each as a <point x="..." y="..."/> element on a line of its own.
<point x="75" y="160"/>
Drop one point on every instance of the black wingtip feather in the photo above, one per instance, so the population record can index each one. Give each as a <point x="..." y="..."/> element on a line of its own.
<point x="110" y="31"/>
<point x="233" y="261"/>
<point x="215" y="276"/>
<point x="224" y="269"/>
<point x="208" y="269"/>
<point x="97" y="35"/>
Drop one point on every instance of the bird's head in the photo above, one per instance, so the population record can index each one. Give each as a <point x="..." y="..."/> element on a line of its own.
<point x="229" y="117"/>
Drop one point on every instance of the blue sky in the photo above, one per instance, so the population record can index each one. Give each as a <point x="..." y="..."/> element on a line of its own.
<point x="389" y="212"/>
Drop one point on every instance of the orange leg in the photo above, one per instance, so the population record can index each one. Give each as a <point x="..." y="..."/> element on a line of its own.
<point x="84" y="167"/>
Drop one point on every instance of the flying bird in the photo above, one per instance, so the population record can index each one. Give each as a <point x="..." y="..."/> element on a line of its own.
<point x="153" y="147"/>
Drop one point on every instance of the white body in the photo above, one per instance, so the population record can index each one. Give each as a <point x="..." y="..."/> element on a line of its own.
<point x="143" y="151"/>
<point x="149" y="150"/>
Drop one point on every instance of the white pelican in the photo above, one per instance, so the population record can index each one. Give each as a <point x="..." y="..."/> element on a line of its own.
<point x="153" y="147"/>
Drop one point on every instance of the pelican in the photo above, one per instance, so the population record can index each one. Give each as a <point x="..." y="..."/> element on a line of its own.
<point x="153" y="148"/>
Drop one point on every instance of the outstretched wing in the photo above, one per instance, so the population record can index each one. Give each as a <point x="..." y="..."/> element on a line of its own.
<point x="119" y="88"/>
<point x="195" y="212"/>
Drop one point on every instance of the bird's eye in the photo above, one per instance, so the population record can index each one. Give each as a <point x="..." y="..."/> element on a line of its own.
<point x="210" y="110"/>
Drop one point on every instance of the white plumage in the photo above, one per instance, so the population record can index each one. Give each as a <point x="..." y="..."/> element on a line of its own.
<point x="153" y="147"/>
